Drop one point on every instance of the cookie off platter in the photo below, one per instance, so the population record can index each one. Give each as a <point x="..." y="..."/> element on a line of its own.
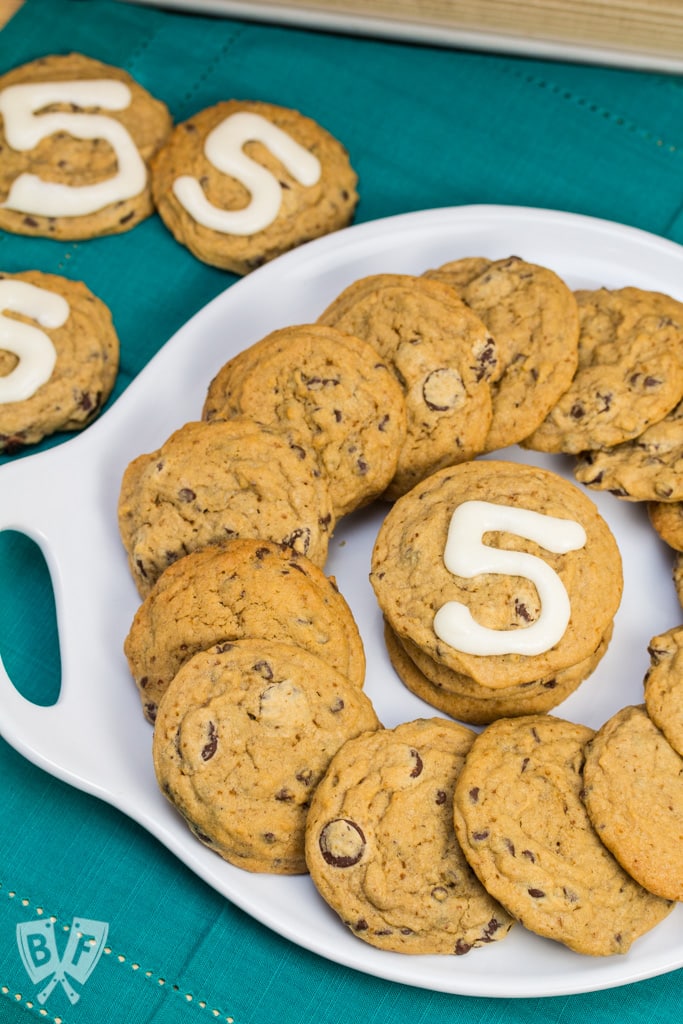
<point x="95" y="737"/>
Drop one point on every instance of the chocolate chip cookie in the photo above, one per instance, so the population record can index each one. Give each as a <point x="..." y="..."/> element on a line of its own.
<point x="663" y="685"/>
<point x="381" y="848"/>
<point x="441" y="353"/>
<point x="330" y="389"/>
<point x="648" y="468"/>
<point x="630" y="372"/>
<point x="244" y="733"/>
<point x="633" y="791"/>
<point x="247" y="588"/>
<point x="59" y="357"/>
<point x="244" y="181"/>
<point x="523" y="826"/>
<point x="533" y="316"/>
<point x="76" y="137"/>
<point x="485" y="511"/>
<point x="210" y="483"/>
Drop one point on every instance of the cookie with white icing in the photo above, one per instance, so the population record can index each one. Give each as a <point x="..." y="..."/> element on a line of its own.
<point x="76" y="136"/>
<point x="502" y="572"/>
<point x="59" y="357"/>
<point x="244" y="181"/>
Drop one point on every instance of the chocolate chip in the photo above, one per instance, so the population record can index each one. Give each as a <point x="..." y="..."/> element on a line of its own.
<point x="209" y="748"/>
<point x="491" y="929"/>
<point x="263" y="668"/>
<point x="186" y="494"/>
<point x="342" y="843"/>
<point x="462" y="947"/>
<point x="440" y="797"/>
<point x="299" y="539"/>
<point x="536" y="893"/>
<point x="474" y="794"/>
<point x="443" y="390"/>
<point x="418" y="766"/>
<point x="481" y="835"/>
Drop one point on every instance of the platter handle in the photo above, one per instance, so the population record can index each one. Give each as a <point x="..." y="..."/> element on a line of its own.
<point x="58" y="499"/>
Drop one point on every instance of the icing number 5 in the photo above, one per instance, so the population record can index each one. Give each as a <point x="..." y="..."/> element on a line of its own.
<point x="466" y="555"/>
<point x="34" y="349"/>
<point x="224" y="149"/>
<point x="25" y="126"/>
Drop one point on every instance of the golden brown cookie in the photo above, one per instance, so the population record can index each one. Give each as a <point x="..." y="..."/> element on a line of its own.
<point x="522" y="824"/>
<point x="491" y="502"/>
<point x="76" y="137"/>
<point x="462" y="698"/>
<point x="441" y="353"/>
<point x="533" y="316"/>
<point x="243" y="735"/>
<point x="633" y="793"/>
<point x="648" y="468"/>
<point x="663" y="685"/>
<point x="667" y="519"/>
<point x="59" y="357"/>
<point x="630" y="372"/>
<point x="210" y="483"/>
<point x="381" y="848"/>
<point x="332" y="391"/>
<point x="248" y="588"/>
<point x="244" y="181"/>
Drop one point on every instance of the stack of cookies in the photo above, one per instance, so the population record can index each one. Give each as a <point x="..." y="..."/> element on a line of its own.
<point x="476" y="536"/>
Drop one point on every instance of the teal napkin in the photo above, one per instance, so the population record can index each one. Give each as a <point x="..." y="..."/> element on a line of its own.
<point x="425" y="127"/>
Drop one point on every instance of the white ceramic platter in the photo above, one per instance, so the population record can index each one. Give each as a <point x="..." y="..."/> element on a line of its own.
<point x="95" y="737"/>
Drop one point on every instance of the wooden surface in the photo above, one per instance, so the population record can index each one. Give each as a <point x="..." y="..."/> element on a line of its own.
<point x="7" y="9"/>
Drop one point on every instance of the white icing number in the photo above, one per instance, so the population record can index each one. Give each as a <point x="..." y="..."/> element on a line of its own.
<point x="466" y="555"/>
<point x="34" y="349"/>
<point x="25" y="126"/>
<point x="223" y="148"/>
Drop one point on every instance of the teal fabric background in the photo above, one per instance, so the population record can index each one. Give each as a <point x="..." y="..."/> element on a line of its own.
<point x="425" y="128"/>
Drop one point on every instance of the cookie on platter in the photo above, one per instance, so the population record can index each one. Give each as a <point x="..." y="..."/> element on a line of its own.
<point x="630" y="372"/>
<point x="533" y="316"/>
<point x="441" y="353"/>
<point x="210" y="483"/>
<point x="663" y="685"/>
<point x="522" y="824"/>
<point x="247" y="588"/>
<point x="381" y="848"/>
<point x="491" y="570"/>
<point x="633" y="793"/>
<point x="243" y="735"/>
<point x="333" y="391"/>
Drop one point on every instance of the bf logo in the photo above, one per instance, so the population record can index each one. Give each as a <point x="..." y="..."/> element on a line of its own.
<point x="38" y="948"/>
